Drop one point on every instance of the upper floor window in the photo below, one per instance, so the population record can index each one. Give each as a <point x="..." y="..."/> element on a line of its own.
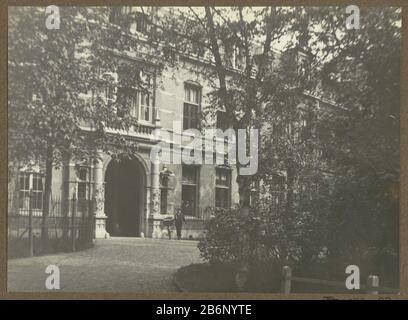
<point x="222" y="120"/>
<point x="134" y="95"/>
<point x="106" y="91"/>
<point x="135" y="103"/>
<point x="192" y="101"/>
<point x="30" y="181"/>
<point x="130" y="17"/>
<point x="145" y="107"/>
<point x="127" y="102"/>
<point x="142" y="22"/>
<point x="238" y="58"/>
<point x="115" y="15"/>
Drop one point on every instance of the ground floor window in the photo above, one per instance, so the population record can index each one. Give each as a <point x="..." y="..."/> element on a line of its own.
<point x="30" y="181"/>
<point x="189" y="197"/>
<point x="222" y="188"/>
<point x="84" y="183"/>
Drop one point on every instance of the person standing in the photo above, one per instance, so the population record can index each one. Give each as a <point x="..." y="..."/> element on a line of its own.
<point x="178" y="221"/>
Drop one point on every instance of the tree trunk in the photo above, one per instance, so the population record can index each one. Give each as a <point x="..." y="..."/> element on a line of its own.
<point x="47" y="195"/>
<point x="288" y="213"/>
<point x="244" y="190"/>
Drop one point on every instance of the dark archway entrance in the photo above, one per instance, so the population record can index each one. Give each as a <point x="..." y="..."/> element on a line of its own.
<point x="124" y="198"/>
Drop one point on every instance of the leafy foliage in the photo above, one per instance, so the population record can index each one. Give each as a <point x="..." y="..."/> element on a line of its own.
<point x="339" y="153"/>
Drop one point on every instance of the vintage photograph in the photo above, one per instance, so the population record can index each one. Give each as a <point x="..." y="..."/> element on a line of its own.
<point x="204" y="149"/>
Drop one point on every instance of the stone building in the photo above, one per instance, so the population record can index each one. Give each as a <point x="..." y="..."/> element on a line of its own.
<point x="134" y="196"/>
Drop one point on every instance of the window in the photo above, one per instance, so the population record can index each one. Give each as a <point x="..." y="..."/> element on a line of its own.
<point x="278" y="188"/>
<point x="121" y="16"/>
<point x="189" y="190"/>
<point x="198" y="50"/>
<point x="34" y="182"/>
<point x="106" y="94"/>
<point x="136" y="100"/>
<point x="238" y="58"/>
<point x="145" y="110"/>
<point x="221" y="120"/>
<point x="192" y="100"/>
<point x="37" y="191"/>
<point x="107" y="90"/>
<point x="144" y="97"/>
<point x="83" y="175"/>
<point x="142" y="22"/>
<point x="24" y="189"/>
<point x="222" y="188"/>
<point x="128" y="102"/>
<point x="115" y="15"/>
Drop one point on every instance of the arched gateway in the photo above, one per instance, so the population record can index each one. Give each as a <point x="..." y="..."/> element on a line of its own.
<point x="125" y="197"/>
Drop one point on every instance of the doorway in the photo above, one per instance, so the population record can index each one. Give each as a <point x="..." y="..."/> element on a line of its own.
<point x="124" y="198"/>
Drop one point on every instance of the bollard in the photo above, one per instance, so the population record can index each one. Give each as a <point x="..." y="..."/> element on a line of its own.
<point x="373" y="282"/>
<point x="286" y="279"/>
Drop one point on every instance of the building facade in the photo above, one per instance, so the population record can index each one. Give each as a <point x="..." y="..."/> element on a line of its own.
<point x="135" y="195"/>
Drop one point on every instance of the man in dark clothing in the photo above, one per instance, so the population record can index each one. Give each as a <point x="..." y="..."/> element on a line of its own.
<point x="178" y="221"/>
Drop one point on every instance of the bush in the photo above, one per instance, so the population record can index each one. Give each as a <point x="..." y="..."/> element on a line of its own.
<point x="258" y="240"/>
<point x="233" y="240"/>
<point x="223" y="240"/>
<point x="264" y="242"/>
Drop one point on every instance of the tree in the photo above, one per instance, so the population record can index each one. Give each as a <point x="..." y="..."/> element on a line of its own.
<point x="236" y="47"/>
<point x="332" y="132"/>
<point x="52" y="75"/>
<point x="364" y="73"/>
<point x="352" y="179"/>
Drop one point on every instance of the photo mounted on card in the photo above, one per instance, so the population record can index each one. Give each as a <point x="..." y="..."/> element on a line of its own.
<point x="223" y="149"/>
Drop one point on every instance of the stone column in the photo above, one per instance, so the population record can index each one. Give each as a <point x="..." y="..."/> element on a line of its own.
<point x="155" y="199"/>
<point x="99" y="196"/>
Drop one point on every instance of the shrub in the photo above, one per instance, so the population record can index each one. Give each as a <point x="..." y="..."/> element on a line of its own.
<point x="223" y="241"/>
<point x="259" y="240"/>
<point x="231" y="238"/>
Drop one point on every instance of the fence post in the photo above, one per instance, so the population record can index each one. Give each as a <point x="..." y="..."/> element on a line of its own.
<point x="73" y="221"/>
<point x="30" y="224"/>
<point x="286" y="279"/>
<point x="373" y="282"/>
